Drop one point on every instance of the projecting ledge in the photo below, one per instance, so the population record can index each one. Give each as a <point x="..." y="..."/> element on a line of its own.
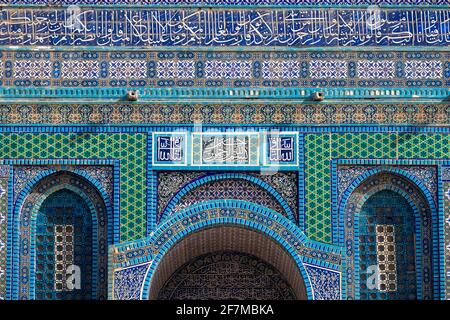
<point x="211" y="95"/>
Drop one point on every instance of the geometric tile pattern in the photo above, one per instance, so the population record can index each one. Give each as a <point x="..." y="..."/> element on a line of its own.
<point x="326" y="283"/>
<point x="233" y="69"/>
<point x="63" y="254"/>
<point x="128" y="148"/>
<point x="170" y="183"/>
<point x="230" y="189"/>
<point x="328" y="69"/>
<point x="321" y="148"/>
<point x="176" y="69"/>
<point x="127" y="69"/>
<point x="282" y="69"/>
<point x="37" y="69"/>
<point x="79" y="69"/>
<point x="24" y="174"/>
<point x="230" y="69"/>
<point x="345" y="27"/>
<point x="423" y="69"/>
<point x="377" y="69"/>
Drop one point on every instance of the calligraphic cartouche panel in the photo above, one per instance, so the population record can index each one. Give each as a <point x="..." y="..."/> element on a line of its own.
<point x="270" y="148"/>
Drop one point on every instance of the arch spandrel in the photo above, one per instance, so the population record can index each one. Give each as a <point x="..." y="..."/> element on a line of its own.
<point x="233" y="186"/>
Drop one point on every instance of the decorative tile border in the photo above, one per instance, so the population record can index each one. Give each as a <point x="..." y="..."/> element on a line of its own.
<point x="97" y="115"/>
<point x="325" y="283"/>
<point x="127" y="150"/>
<point x="411" y="179"/>
<point x="227" y="3"/>
<point x="4" y="194"/>
<point x="343" y="27"/>
<point x="446" y="219"/>
<point x="289" y="96"/>
<point x="230" y="69"/>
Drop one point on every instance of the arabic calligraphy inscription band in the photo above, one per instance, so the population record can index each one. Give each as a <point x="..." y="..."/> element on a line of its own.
<point x="225" y="27"/>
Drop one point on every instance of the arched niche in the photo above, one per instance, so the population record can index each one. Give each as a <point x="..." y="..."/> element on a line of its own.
<point x="34" y="236"/>
<point x="388" y="224"/>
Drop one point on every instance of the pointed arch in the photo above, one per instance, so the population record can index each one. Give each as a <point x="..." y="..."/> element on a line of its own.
<point x="425" y="221"/>
<point x="233" y="220"/>
<point x="26" y="210"/>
